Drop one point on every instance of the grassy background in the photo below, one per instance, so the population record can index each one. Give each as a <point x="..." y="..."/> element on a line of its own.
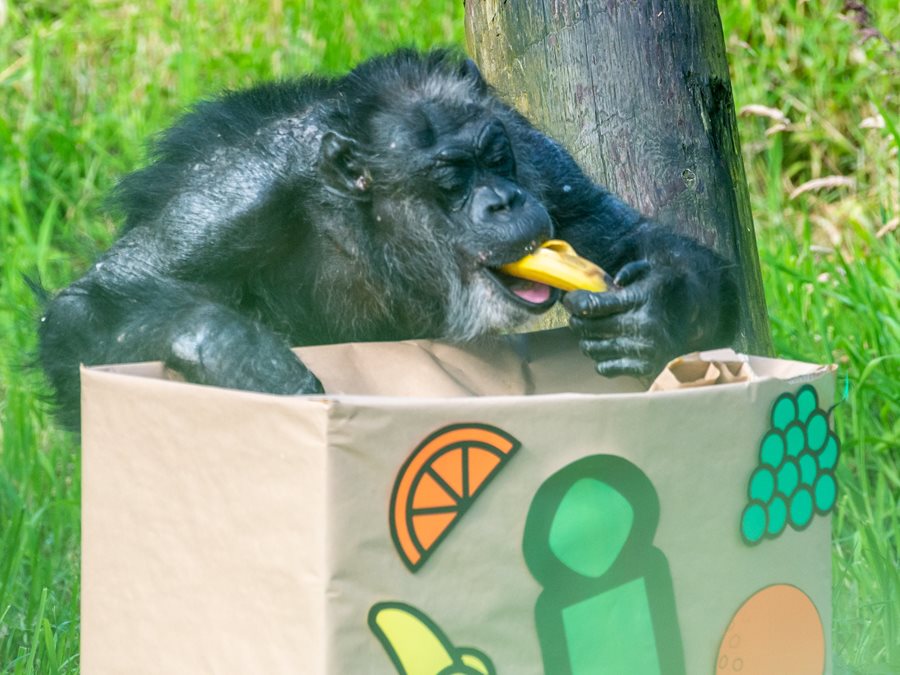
<point x="83" y="84"/>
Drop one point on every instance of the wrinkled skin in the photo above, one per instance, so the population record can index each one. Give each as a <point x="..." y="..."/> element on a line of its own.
<point x="375" y="206"/>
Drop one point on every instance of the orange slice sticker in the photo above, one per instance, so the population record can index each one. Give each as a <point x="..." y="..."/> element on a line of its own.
<point x="438" y="483"/>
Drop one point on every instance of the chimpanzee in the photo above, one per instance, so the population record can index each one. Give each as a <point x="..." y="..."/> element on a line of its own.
<point x="374" y="206"/>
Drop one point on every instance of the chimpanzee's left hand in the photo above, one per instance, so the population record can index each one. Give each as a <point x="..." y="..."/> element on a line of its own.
<point x="629" y="330"/>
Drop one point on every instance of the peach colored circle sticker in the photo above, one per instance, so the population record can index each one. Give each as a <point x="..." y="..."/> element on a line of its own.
<point x="776" y="632"/>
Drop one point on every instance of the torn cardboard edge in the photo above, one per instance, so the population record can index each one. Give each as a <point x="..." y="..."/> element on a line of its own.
<point x="546" y="362"/>
<point x="697" y="370"/>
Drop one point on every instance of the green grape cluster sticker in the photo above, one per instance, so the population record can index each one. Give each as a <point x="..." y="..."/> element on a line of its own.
<point x="795" y="476"/>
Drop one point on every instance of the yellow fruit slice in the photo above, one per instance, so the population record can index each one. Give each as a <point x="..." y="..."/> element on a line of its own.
<point x="556" y="264"/>
<point x="417" y="646"/>
<point x="439" y="481"/>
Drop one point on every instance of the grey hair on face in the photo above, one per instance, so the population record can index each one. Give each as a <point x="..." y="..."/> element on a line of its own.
<point x="481" y="308"/>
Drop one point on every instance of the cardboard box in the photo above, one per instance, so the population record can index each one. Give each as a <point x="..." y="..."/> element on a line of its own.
<point x="490" y="508"/>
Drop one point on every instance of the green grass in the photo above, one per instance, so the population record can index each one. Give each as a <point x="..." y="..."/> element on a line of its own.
<point x="83" y="85"/>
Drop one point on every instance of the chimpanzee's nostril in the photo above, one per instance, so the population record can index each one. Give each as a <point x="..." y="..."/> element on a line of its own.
<point x="505" y="198"/>
<point x="502" y="199"/>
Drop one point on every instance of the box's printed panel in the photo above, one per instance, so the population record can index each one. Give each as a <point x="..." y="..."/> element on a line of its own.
<point x="417" y="645"/>
<point x="777" y="631"/>
<point x="795" y="476"/>
<point x="607" y="604"/>
<point x="438" y="483"/>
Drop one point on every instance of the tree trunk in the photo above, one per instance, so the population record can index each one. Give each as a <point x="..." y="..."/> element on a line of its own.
<point x="639" y="92"/>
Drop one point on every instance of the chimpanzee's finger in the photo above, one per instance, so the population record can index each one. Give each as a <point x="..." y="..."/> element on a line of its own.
<point x="632" y="272"/>
<point x="586" y="304"/>
<point x="617" y="348"/>
<point x="626" y="366"/>
<point x="608" y="327"/>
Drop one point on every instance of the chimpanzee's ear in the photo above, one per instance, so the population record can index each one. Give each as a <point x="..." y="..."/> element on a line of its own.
<point x="469" y="71"/>
<point x="341" y="164"/>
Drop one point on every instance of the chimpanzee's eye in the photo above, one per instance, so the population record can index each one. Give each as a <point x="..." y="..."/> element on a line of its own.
<point x="501" y="163"/>
<point x="498" y="157"/>
<point x="453" y="178"/>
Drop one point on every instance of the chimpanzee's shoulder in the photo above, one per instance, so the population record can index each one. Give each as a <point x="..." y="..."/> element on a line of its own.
<point x="232" y="119"/>
<point x="235" y="115"/>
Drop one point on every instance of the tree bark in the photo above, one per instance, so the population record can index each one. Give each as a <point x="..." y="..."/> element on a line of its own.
<point x="639" y="92"/>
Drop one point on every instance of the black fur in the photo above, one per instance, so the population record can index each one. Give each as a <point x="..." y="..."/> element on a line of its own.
<point x="367" y="207"/>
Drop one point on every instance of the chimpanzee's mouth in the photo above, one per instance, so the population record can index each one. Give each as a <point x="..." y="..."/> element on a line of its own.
<point x="533" y="296"/>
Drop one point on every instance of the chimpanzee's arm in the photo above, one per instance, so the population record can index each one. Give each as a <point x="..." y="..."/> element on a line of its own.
<point x="171" y="289"/>
<point x="676" y="296"/>
<point x="103" y="319"/>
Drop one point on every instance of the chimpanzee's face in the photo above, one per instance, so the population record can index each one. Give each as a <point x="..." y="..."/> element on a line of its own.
<point x="447" y="200"/>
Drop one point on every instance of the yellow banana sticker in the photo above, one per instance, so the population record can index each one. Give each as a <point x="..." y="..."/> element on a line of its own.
<point x="417" y="646"/>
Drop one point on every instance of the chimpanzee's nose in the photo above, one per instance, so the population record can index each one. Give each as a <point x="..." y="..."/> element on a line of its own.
<point x="494" y="200"/>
